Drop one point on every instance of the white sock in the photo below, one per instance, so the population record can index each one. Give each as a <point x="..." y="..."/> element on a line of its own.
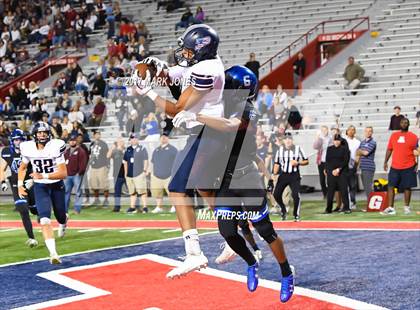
<point x="50" y="243"/>
<point x="192" y="244"/>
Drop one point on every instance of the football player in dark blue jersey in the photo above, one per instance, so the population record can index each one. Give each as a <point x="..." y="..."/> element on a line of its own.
<point x="242" y="188"/>
<point x="12" y="158"/>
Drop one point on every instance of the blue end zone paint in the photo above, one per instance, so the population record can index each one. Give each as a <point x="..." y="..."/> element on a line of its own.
<point x="376" y="267"/>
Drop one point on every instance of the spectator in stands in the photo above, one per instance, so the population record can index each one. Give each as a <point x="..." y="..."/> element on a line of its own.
<point x="61" y="84"/>
<point x="32" y="91"/>
<point x="294" y="118"/>
<point x="353" y="144"/>
<point x="321" y="144"/>
<point x="186" y="20"/>
<point x="60" y="111"/>
<point x="73" y="70"/>
<point x="253" y="65"/>
<point x="299" y="68"/>
<point x="99" y="165"/>
<point x="98" y="113"/>
<point x="75" y="115"/>
<point x="67" y="101"/>
<point x="82" y="85"/>
<point x="353" y="75"/>
<point x="116" y="153"/>
<point x="136" y="164"/>
<point x="80" y="131"/>
<point x="4" y="134"/>
<point x="162" y="159"/>
<point x="120" y="111"/>
<point x="56" y="127"/>
<point x="366" y="153"/>
<point x="199" y="16"/>
<point x="110" y="19"/>
<point x="336" y="167"/>
<point x="6" y="108"/>
<point x="395" y="121"/>
<point x="142" y="30"/>
<point x="402" y="145"/>
<point x="3" y="47"/>
<point x="76" y="162"/>
<point x="173" y="5"/>
<point x="66" y="126"/>
<point x="134" y="122"/>
<point x="98" y="87"/>
<point x="418" y="121"/>
<point x="264" y="100"/>
<point x="59" y="32"/>
<point x="150" y="127"/>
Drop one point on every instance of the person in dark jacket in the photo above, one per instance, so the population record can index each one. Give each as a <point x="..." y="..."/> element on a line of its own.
<point x="336" y="168"/>
<point x="299" y="67"/>
<point x="76" y="162"/>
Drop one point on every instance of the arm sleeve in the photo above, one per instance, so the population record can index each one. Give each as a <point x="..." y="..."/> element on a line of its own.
<point x="61" y="148"/>
<point x="302" y="154"/>
<point x="327" y="158"/>
<point x="201" y="81"/>
<point x="346" y="160"/>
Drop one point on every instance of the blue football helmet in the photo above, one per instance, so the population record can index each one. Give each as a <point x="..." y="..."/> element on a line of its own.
<point x="241" y="78"/>
<point x="201" y="41"/>
<point x="41" y="127"/>
<point x="17" y="134"/>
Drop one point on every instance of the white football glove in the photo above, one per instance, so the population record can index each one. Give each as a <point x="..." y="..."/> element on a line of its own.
<point x="143" y="86"/>
<point x="183" y="117"/>
<point x="159" y="64"/>
<point x="4" y="186"/>
<point x="28" y="183"/>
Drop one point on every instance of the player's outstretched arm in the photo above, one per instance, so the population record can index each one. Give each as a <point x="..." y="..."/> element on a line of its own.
<point x="21" y="177"/>
<point x="188" y="99"/>
<point x="220" y="123"/>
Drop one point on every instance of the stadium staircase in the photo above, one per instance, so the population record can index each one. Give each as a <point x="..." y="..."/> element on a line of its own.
<point x="392" y="65"/>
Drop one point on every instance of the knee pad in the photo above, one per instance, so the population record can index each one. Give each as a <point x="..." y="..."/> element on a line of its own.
<point x="265" y="230"/>
<point x="21" y="205"/>
<point x="244" y="225"/>
<point x="45" y="221"/>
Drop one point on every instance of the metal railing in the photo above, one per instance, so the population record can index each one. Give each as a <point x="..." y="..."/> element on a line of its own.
<point x="306" y="37"/>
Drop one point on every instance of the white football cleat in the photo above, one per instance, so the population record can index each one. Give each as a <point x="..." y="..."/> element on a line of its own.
<point x="173" y="210"/>
<point x="389" y="211"/>
<point x="157" y="210"/>
<point x="407" y="210"/>
<point x="55" y="260"/>
<point x="31" y="243"/>
<point x="190" y="264"/>
<point x="61" y="230"/>
<point x="258" y="255"/>
<point x="227" y="254"/>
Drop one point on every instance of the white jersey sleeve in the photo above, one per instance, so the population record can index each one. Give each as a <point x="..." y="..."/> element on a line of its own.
<point x="202" y="77"/>
<point x="24" y="151"/>
<point x="59" y="149"/>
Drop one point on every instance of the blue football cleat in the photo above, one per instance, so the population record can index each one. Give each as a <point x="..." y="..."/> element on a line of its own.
<point x="287" y="286"/>
<point x="252" y="278"/>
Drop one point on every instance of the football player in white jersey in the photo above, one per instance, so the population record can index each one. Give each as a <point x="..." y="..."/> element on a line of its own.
<point x="200" y="72"/>
<point x="46" y="156"/>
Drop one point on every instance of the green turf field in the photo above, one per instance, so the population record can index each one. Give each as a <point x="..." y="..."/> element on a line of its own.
<point x="310" y="210"/>
<point x="14" y="249"/>
<point x="12" y="243"/>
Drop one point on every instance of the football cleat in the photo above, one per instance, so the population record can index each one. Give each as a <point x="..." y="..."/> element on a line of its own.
<point x="407" y="210"/>
<point x="227" y="254"/>
<point x="190" y="264"/>
<point x="55" y="260"/>
<point x="131" y="211"/>
<point x="61" y="230"/>
<point x="31" y="243"/>
<point x="157" y="210"/>
<point x="252" y="277"/>
<point x="297" y="218"/>
<point x="389" y="211"/>
<point x="258" y="255"/>
<point x="287" y="286"/>
<point x="173" y="210"/>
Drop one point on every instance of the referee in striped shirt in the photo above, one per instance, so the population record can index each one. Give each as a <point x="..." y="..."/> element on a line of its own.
<point x="287" y="161"/>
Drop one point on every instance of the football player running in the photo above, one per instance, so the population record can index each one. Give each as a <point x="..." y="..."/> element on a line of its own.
<point x="200" y="73"/>
<point x="12" y="158"/>
<point x="46" y="156"/>
<point x="241" y="183"/>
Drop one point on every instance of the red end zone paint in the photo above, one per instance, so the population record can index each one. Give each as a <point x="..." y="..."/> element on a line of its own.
<point x="141" y="284"/>
<point x="162" y="224"/>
